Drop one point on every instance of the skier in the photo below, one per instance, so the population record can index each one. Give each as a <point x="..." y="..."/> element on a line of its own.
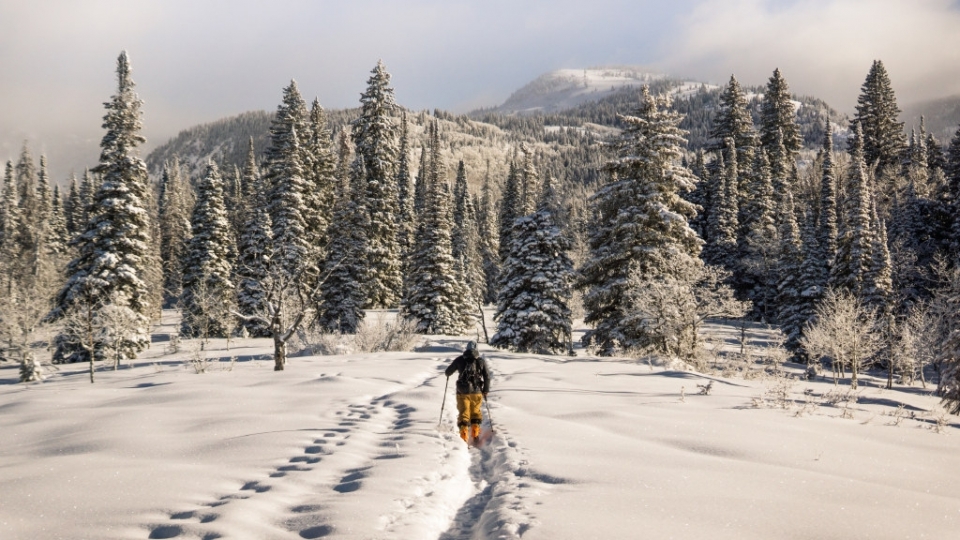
<point x="473" y="384"/>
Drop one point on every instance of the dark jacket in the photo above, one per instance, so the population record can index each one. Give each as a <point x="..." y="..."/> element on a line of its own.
<point x="458" y="365"/>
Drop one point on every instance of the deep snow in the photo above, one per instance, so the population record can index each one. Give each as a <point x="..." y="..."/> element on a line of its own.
<point x="348" y="446"/>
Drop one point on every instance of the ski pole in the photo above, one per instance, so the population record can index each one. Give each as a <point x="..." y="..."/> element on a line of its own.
<point x="444" y="404"/>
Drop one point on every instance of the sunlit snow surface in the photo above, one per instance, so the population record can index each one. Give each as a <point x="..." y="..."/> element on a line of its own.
<point x="349" y="447"/>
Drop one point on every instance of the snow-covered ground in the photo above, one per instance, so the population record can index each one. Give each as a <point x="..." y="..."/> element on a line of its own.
<point x="349" y="447"/>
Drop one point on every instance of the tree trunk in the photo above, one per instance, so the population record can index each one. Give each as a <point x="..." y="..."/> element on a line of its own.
<point x="279" y="353"/>
<point x="483" y="322"/>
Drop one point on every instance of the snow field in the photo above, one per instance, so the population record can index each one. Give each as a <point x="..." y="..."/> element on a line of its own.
<point x="349" y="447"/>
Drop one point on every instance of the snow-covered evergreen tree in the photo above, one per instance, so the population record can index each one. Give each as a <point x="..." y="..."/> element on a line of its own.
<point x="320" y="168"/>
<point x="434" y="297"/>
<point x="700" y="196"/>
<point x="88" y="190"/>
<point x="375" y="137"/>
<point x="342" y="296"/>
<point x="420" y="185"/>
<point x="827" y="227"/>
<point x="255" y="247"/>
<point x="489" y="240"/>
<point x="855" y="244"/>
<point x="778" y="113"/>
<point x="109" y="268"/>
<point x="877" y="114"/>
<point x="639" y="224"/>
<point x="529" y="184"/>
<point x="813" y="271"/>
<point x="761" y="242"/>
<point x="174" y="215"/>
<point x="208" y="260"/>
<point x="788" y="269"/>
<point x="509" y="210"/>
<point x="72" y="207"/>
<point x="723" y="225"/>
<point x="533" y="314"/>
<point x="733" y="121"/>
<point x="287" y="188"/>
<point x="465" y="242"/>
<point x="59" y="237"/>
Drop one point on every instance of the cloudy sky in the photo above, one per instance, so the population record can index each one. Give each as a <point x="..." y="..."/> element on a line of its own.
<point x="199" y="60"/>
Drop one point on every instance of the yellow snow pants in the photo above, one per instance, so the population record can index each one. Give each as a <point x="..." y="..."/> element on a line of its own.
<point x="468" y="405"/>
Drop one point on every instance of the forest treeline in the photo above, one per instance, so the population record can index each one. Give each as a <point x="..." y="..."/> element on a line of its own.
<point x="645" y="213"/>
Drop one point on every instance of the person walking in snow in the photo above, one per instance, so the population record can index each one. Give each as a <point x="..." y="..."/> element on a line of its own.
<point x="473" y="384"/>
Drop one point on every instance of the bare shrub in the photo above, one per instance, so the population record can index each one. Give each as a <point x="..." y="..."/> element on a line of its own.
<point x="379" y="335"/>
<point x="845" y="330"/>
<point x="382" y="335"/>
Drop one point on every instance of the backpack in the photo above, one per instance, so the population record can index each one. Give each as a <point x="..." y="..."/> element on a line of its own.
<point x="471" y="379"/>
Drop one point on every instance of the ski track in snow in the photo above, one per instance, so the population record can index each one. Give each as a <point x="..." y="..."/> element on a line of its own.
<point x="462" y="494"/>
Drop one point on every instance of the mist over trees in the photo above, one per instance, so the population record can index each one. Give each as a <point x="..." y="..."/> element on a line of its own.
<point x="648" y="211"/>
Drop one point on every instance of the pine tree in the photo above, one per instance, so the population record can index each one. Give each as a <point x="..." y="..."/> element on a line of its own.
<point x="461" y="200"/>
<point x="936" y="159"/>
<point x="465" y="242"/>
<point x="319" y="173"/>
<point x="639" y="223"/>
<point x="733" y="121"/>
<point x="287" y="188"/>
<point x="855" y="244"/>
<point x="489" y="240"/>
<point x="813" y="272"/>
<point x="108" y="271"/>
<point x="88" y="190"/>
<point x="208" y="287"/>
<point x="420" y="186"/>
<point x="434" y="297"/>
<point x="255" y="249"/>
<point x="174" y="217"/>
<point x="761" y="241"/>
<point x="375" y="137"/>
<point x="777" y="113"/>
<point x="532" y="307"/>
<point x="31" y="218"/>
<point x="342" y="296"/>
<point x="59" y="237"/>
<point x="723" y="225"/>
<point x="877" y="114"/>
<point x="72" y="207"/>
<point x="789" y="286"/>
<point x="827" y="230"/>
<point x="509" y="210"/>
<point x="700" y="196"/>
<point x="529" y="184"/>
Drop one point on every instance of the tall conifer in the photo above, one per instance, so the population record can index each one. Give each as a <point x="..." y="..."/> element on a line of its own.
<point x="639" y="223"/>
<point x="778" y="113"/>
<point x="208" y="260"/>
<point x="109" y="268"/>
<point x="877" y="113"/>
<point x="375" y="137"/>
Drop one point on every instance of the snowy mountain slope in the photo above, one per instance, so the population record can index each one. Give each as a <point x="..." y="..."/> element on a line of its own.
<point x="349" y="447"/>
<point x="566" y="88"/>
